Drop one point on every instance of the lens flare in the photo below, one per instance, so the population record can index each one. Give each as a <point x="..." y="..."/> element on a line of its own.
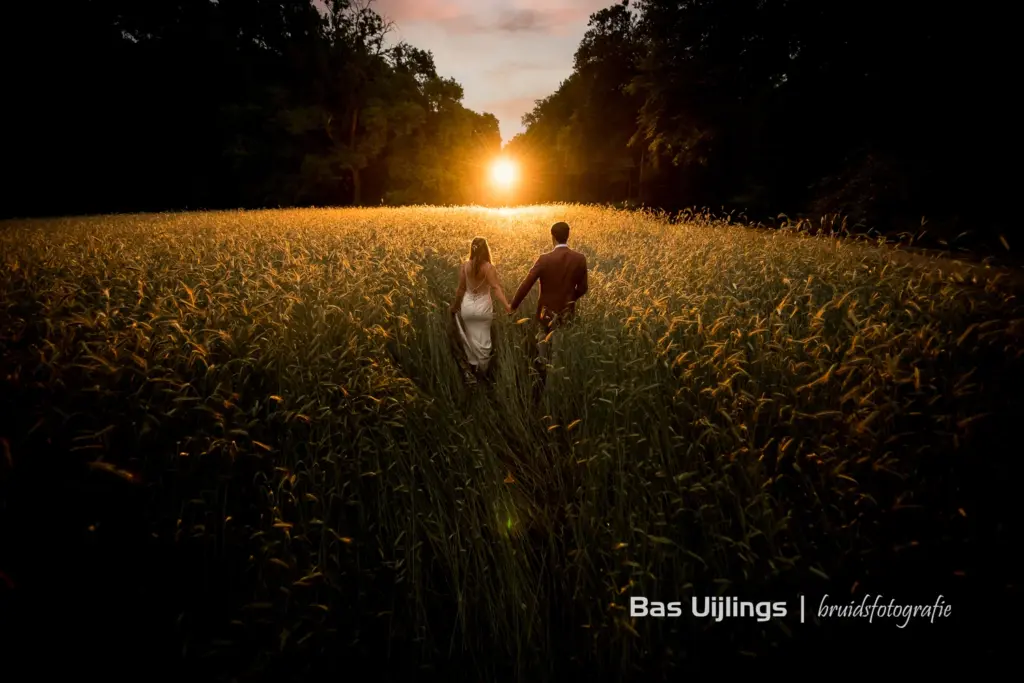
<point x="503" y="173"/>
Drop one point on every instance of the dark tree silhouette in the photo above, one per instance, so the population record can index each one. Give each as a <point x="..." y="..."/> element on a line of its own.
<point x="115" y="105"/>
<point x="881" y="112"/>
<point x="885" y="113"/>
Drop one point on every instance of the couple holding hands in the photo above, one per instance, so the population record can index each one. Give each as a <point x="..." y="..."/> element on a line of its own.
<point x="562" y="273"/>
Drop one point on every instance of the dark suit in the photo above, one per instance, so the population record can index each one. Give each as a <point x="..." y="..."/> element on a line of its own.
<point x="562" y="273"/>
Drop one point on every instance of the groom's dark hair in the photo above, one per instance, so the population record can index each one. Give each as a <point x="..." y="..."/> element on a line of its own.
<point x="560" y="231"/>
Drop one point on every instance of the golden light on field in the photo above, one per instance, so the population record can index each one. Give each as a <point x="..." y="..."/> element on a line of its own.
<point x="776" y="330"/>
<point x="504" y="173"/>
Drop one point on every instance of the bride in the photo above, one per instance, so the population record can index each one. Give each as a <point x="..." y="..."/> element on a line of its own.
<point x="472" y="307"/>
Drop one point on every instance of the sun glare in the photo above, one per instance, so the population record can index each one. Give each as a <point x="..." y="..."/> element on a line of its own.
<point x="503" y="173"/>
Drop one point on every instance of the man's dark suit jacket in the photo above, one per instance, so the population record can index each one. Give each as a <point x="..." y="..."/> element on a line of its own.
<point x="563" y="280"/>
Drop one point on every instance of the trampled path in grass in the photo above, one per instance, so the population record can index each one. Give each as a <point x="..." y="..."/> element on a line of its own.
<point x="260" y="414"/>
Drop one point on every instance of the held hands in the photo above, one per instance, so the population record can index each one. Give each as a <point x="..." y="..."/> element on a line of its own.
<point x="509" y="309"/>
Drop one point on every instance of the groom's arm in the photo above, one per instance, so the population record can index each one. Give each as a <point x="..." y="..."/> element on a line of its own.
<point x="582" y="287"/>
<point x="527" y="285"/>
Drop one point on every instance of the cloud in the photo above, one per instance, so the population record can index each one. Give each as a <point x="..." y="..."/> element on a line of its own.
<point x="463" y="18"/>
<point x="536" y="21"/>
<point x="417" y="10"/>
<point x="520" y="20"/>
<point x="449" y="15"/>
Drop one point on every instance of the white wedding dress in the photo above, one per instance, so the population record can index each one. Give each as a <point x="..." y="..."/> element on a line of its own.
<point x="474" y="324"/>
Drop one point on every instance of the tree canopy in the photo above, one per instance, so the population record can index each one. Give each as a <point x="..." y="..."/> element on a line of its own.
<point x="884" y="112"/>
<point x="116" y="105"/>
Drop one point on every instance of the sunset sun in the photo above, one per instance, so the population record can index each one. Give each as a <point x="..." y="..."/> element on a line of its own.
<point x="503" y="173"/>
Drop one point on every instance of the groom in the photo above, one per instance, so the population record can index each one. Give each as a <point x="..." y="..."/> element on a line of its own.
<point x="563" y="280"/>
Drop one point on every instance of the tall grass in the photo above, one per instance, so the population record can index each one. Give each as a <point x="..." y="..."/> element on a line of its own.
<point x="735" y="410"/>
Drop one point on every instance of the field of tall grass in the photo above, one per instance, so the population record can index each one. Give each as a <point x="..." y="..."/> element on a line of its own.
<point x="242" y="438"/>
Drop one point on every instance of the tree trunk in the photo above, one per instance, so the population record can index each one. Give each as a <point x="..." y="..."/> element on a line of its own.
<point x="357" y="187"/>
<point x="356" y="180"/>
<point x="640" y="181"/>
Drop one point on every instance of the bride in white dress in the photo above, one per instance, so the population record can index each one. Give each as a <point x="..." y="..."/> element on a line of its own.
<point x="472" y="307"/>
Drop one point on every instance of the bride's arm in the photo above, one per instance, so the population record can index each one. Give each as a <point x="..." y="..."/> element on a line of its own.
<point x="460" y="292"/>
<point x="492" y="275"/>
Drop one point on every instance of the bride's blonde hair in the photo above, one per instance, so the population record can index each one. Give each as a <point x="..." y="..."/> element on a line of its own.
<point x="479" y="253"/>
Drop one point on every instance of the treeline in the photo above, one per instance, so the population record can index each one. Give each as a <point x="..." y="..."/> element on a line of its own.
<point x="884" y="112"/>
<point x="120" y="105"/>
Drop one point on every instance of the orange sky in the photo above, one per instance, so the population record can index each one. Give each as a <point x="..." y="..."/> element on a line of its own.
<point x="505" y="53"/>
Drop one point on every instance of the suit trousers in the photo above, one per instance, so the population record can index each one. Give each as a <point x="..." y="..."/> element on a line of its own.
<point x="545" y="333"/>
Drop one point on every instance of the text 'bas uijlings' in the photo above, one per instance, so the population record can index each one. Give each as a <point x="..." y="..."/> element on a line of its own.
<point x="715" y="608"/>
